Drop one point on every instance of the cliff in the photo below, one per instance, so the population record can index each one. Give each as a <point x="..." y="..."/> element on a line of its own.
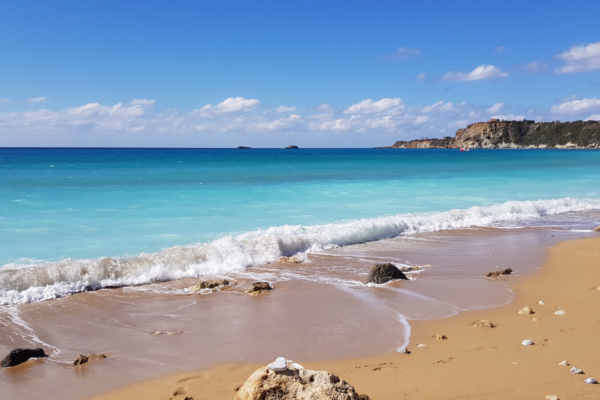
<point x="516" y="135"/>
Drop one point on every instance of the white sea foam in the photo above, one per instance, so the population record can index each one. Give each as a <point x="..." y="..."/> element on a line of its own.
<point x="21" y="283"/>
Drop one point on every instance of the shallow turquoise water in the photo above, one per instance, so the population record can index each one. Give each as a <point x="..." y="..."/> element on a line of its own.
<point x="90" y="203"/>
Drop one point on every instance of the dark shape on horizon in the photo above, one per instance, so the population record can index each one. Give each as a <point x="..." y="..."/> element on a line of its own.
<point x="292" y="147"/>
<point x="526" y="134"/>
<point x="244" y="147"/>
<point x="19" y="356"/>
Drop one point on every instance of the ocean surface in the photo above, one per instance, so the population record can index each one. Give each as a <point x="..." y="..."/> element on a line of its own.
<point x="79" y="219"/>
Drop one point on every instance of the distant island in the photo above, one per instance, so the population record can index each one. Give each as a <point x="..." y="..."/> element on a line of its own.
<point x="244" y="147"/>
<point x="292" y="147"/>
<point x="526" y="134"/>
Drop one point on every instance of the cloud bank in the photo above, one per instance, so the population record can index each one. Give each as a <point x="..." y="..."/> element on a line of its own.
<point x="479" y="73"/>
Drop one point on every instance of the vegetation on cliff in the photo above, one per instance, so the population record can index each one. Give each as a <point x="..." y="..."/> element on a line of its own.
<point x="516" y="134"/>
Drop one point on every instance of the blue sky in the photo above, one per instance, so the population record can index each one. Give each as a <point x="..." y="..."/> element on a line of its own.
<point x="347" y="73"/>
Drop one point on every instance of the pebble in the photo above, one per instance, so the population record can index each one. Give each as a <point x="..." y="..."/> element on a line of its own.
<point x="542" y="303"/>
<point x="591" y="380"/>
<point x="563" y="363"/>
<point x="404" y="350"/>
<point x="551" y="397"/>
<point x="576" y="370"/>
<point x="560" y="312"/>
<point x="527" y="343"/>
<point x="439" y="336"/>
<point x="535" y="319"/>
<point x="278" y="365"/>
<point x="421" y="345"/>
<point x="297" y="366"/>
<point x="526" y="310"/>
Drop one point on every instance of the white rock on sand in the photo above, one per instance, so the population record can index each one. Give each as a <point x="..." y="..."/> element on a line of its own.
<point x="527" y="343"/>
<point x="295" y="384"/>
<point x="563" y="363"/>
<point x="526" y="310"/>
<point x="551" y="397"/>
<point x="542" y="303"/>
<point x="278" y="365"/>
<point x="576" y="370"/>
<point x="560" y="312"/>
<point x="591" y="380"/>
<point x="421" y="345"/>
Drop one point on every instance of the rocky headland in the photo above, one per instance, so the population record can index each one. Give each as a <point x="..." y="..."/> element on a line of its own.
<point x="525" y="134"/>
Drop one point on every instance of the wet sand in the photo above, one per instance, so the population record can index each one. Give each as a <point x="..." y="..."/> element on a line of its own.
<point x="316" y="313"/>
<point x="473" y="362"/>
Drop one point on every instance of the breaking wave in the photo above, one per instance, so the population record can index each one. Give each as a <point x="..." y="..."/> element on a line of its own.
<point x="21" y="283"/>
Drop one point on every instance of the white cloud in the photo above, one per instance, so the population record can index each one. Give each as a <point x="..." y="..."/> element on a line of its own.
<point x="421" y="76"/>
<point x="142" y="102"/>
<point x="284" y="109"/>
<point x="595" y="117"/>
<point x="495" y="108"/>
<point x="458" y="124"/>
<point x="509" y="117"/>
<point x="230" y="105"/>
<point x="580" y="59"/>
<point x="535" y="67"/>
<point x="383" y="106"/>
<point x="577" y="106"/>
<point x="37" y="99"/>
<point x="4" y="100"/>
<point x="479" y="73"/>
<point x="402" y="52"/>
<point x="439" y="106"/>
<point x="499" y="49"/>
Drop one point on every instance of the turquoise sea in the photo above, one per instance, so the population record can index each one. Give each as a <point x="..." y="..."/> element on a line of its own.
<point x="164" y="214"/>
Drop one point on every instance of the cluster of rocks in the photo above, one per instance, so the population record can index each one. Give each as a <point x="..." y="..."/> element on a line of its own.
<point x="287" y="380"/>
<point x="19" y="356"/>
<point x="291" y="260"/>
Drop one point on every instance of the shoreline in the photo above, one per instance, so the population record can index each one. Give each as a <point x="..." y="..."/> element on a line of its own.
<point x="474" y="362"/>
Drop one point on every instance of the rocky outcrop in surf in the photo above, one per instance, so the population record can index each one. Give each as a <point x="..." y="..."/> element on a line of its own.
<point x="19" y="356"/>
<point x="382" y="273"/>
<point x="526" y="134"/>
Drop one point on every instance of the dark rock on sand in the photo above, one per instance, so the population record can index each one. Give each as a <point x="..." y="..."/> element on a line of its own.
<point x="382" y="273"/>
<point x="296" y="384"/>
<point x="498" y="274"/>
<point x="258" y="287"/>
<point x="19" y="356"/>
<point x="83" y="359"/>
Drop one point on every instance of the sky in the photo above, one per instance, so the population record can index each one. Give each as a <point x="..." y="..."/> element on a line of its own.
<point x="274" y="73"/>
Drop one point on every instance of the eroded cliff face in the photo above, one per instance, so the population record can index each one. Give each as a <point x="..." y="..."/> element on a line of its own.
<point x="517" y="135"/>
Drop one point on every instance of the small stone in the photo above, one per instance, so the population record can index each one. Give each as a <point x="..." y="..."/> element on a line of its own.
<point x="498" y="274"/>
<point x="535" y="319"/>
<point x="527" y="343"/>
<point x="291" y="260"/>
<point x="597" y="229"/>
<point x="485" y="323"/>
<point x="297" y="366"/>
<point x="563" y="363"/>
<point x="440" y="337"/>
<point x="560" y="312"/>
<point x="209" y="285"/>
<point x="591" y="381"/>
<point x="421" y="345"/>
<point x="576" y="370"/>
<point x="278" y="365"/>
<point x="258" y="287"/>
<point x="81" y="360"/>
<point x="403" y="350"/>
<point x="542" y="303"/>
<point x="526" y="310"/>
<point x="551" y="397"/>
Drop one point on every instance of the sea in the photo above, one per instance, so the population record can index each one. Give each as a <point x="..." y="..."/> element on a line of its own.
<point x="98" y="248"/>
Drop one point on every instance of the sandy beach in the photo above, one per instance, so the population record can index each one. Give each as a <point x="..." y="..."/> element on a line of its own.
<point x="473" y="362"/>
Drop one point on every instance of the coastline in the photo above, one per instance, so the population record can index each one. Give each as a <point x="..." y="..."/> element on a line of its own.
<point x="474" y="362"/>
